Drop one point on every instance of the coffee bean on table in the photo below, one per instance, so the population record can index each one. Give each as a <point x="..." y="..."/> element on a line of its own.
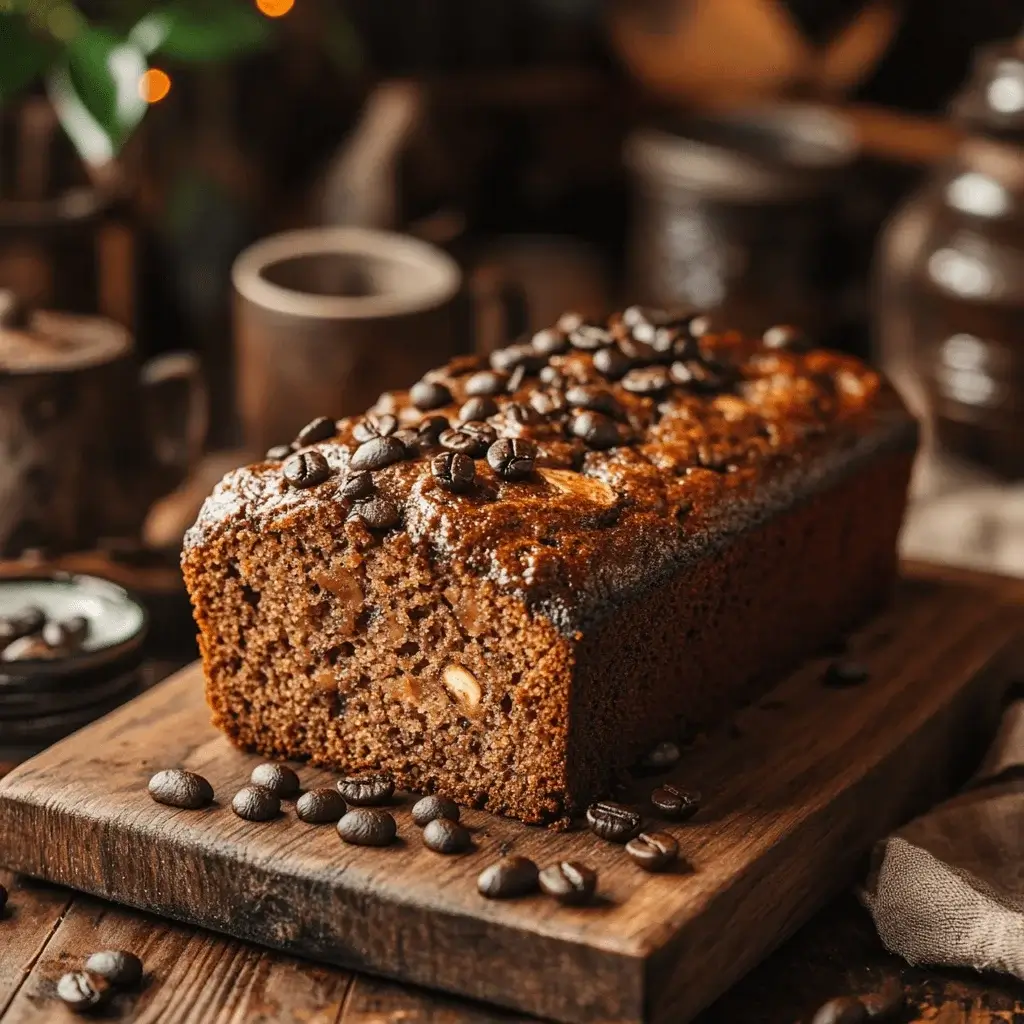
<point x="279" y="452"/>
<point x="377" y="512"/>
<point x="426" y="809"/>
<point x="367" y="790"/>
<point x="306" y="469"/>
<point x="661" y="757"/>
<point x="885" y="1004"/>
<point x="512" y="458"/>
<point x="675" y="802"/>
<point x="569" y="882"/>
<point x="316" y="430"/>
<point x="508" y="878"/>
<point x="841" y="674"/>
<point x="429" y="394"/>
<point x="121" y="968"/>
<point x="278" y="778"/>
<point x="367" y="826"/>
<point x="83" y="990"/>
<point x="442" y="835"/>
<point x="453" y="471"/>
<point x="178" y="788"/>
<point x="844" y="1010"/>
<point x="478" y="408"/>
<point x="356" y="486"/>
<point x="653" y="851"/>
<point x="377" y="453"/>
<point x="254" y="803"/>
<point x="321" y="806"/>
<point x="613" y="822"/>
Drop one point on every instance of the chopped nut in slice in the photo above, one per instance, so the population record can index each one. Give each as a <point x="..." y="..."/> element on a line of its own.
<point x="462" y="686"/>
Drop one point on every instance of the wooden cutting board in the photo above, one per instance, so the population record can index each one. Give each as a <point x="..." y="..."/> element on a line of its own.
<point x="796" y="789"/>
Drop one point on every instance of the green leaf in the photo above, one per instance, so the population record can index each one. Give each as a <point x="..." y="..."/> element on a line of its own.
<point x="23" y="55"/>
<point x="202" y="30"/>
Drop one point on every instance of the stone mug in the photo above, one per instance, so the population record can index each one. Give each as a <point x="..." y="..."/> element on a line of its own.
<point x="88" y="439"/>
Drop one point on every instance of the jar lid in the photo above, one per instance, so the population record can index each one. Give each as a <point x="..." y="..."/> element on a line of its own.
<point x="992" y="99"/>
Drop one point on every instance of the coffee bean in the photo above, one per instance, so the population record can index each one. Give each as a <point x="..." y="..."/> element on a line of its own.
<point x="547" y="403"/>
<point x="69" y="633"/>
<point x="506" y="359"/>
<point x="321" y="806"/>
<point x="661" y="757"/>
<point x="453" y="471"/>
<point x="478" y="408"/>
<point x="429" y="394"/>
<point x="3" y="899"/>
<point x="367" y="826"/>
<point x="632" y="316"/>
<point x="786" y="338"/>
<point x="377" y="512"/>
<point x="589" y="337"/>
<point x="568" y="322"/>
<point x="367" y="790"/>
<point x="841" y="674"/>
<point x="254" y="803"/>
<point x="653" y="851"/>
<point x="178" y="788"/>
<point x="472" y="439"/>
<point x="377" y="453"/>
<point x="646" y="380"/>
<point x="316" y="430"/>
<point x="428" y="808"/>
<point x="844" y="1010"/>
<point x="356" y="486"/>
<point x="121" y="968"/>
<point x="517" y="379"/>
<point x="442" y="835"/>
<point x="614" y="822"/>
<point x="594" y="398"/>
<point x="595" y="429"/>
<point x="279" y="452"/>
<point x="676" y="803"/>
<point x="409" y="439"/>
<point x="430" y="429"/>
<point x="306" y="469"/>
<point x="83" y="990"/>
<point x="522" y="415"/>
<point x="374" y="425"/>
<point x="887" y="1004"/>
<point x="550" y="342"/>
<point x="699" y="376"/>
<point x="552" y="376"/>
<point x="612" y="363"/>
<point x="508" y="878"/>
<point x="512" y="458"/>
<point x="278" y="778"/>
<point x="486" y="383"/>
<point x="569" y="882"/>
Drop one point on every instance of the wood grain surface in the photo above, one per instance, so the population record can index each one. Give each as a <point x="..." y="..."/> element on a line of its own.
<point x="797" y="789"/>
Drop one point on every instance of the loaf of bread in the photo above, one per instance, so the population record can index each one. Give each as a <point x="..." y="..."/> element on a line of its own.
<point x="509" y="582"/>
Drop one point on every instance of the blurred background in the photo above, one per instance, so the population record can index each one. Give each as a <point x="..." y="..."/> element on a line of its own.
<point x="220" y="217"/>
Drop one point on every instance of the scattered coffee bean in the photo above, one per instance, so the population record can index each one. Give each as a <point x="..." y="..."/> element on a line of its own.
<point x="522" y="414"/>
<point x="568" y="322"/>
<point x="486" y="383"/>
<point x="357" y="486"/>
<point x="306" y="469"/>
<point x="367" y="790"/>
<point x="637" y="314"/>
<point x="478" y="408"/>
<point x="512" y="458"/>
<point x="508" y="358"/>
<point x="508" y="878"/>
<point x="887" y="1004"/>
<point x="840" y="674"/>
<point x="367" y="826"/>
<point x="786" y="337"/>
<point x="676" y="803"/>
<point x="550" y="342"/>
<point x="279" y="452"/>
<point x="442" y="835"/>
<point x="70" y="633"/>
<point x="377" y="453"/>
<point x="844" y="1010"/>
<point x="613" y="822"/>
<point x="316" y="430"/>
<point x="472" y="439"/>
<point x="646" y="380"/>
<point x="589" y="337"/>
<point x="321" y="806"/>
<point x="121" y="968"/>
<point x="547" y="403"/>
<point x="178" y="788"/>
<point x="278" y="778"/>
<point x="661" y="757"/>
<point x="254" y="803"/>
<point x="653" y="851"/>
<point x="426" y="809"/>
<point x="377" y="512"/>
<point x="584" y="396"/>
<point x="612" y="363"/>
<point x="374" y="425"/>
<point x="551" y="376"/>
<point x="453" y="471"/>
<point x="699" y="376"/>
<point x="3" y="899"/>
<point x="569" y="882"/>
<point x="82" y="990"/>
<point x="595" y="429"/>
<point x="429" y="394"/>
<point x="430" y="429"/>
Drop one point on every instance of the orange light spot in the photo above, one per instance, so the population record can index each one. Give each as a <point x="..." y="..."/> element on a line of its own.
<point x="154" y="85"/>
<point x="275" y="8"/>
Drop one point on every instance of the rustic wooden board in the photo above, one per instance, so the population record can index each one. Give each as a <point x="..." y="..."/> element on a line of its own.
<point x="797" y="788"/>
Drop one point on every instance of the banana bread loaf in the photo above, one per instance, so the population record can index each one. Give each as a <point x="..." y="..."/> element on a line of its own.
<point x="507" y="583"/>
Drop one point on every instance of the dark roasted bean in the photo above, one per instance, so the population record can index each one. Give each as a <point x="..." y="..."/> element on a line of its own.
<point x="512" y="458"/>
<point x="699" y="376"/>
<point x="517" y="378"/>
<point x="356" y="486"/>
<point x="653" y="851"/>
<point x="278" y="778"/>
<point x="178" y="788"/>
<point x="522" y="414"/>
<point x="374" y="425"/>
<point x="551" y="376"/>
<point x="82" y="990"/>
<point x="377" y="453"/>
<point x="472" y="439"/>
<point x="661" y="757"/>
<point x="612" y="362"/>
<point x="367" y="790"/>
<point x="409" y="439"/>
<point x="676" y="803"/>
<point x="787" y="338"/>
<point x="595" y="429"/>
<point x="569" y="882"/>
<point x="377" y="512"/>
<point x="886" y="1004"/>
<point x="254" y="803"/>
<point x="279" y="452"/>
<point x="550" y="342"/>
<point x="442" y="835"/>
<point x="453" y="471"/>
<point x="507" y="359"/>
<point x="844" y="1010"/>
<point x="840" y="674"/>
<point x="429" y="394"/>
<point x="614" y="822"/>
<point x="428" y="808"/>
<point x="632" y="316"/>
<point x="478" y="408"/>
<point x="568" y="322"/>
<point x="367" y="826"/>
<point x="121" y="968"/>
<point x="315" y="431"/>
<point x="306" y="469"/>
<point x="547" y="403"/>
<point x="589" y="337"/>
<point x="594" y="398"/>
<point x="508" y="878"/>
<point x="486" y="383"/>
<point x="321" y="806"/>
<point x="646" y="380"/>
<point x="429" y="430"/>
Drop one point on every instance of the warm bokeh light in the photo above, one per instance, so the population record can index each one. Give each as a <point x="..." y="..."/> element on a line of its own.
<point x="275" y="8"/>
<point x="154" y="85"/>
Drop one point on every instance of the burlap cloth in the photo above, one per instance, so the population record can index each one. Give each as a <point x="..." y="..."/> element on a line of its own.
<point x="949" y="887"/>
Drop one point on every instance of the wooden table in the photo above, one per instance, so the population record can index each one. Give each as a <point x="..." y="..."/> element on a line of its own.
<point x="195" y="977"/>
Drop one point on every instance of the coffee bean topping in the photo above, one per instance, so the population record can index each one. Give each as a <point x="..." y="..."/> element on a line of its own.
<point x="699" y="376"/>
<point x="321" y="806"/>
<point x="841" y="674"/>
<point x="653" y="851"/>
<point x="646" y="380"/>
<point x="550" y="342"/>
<point x="316" y="430"/>
<point x="613" y="822"/>
<point x="676" y="803"/>
<point x="886" y="1004"/>
<point x="367" y="790"/>
<point x="367" y="826"/>
<point x="508" y="878"/>
<point x="377" y="453"/>
<point x="377" y="512"/>
<point x="547" y="403"/>
<point x="634" y="316"/>
<point x="278" y="778"/>
<point x="785" y="337"/>
<point x="430" y="429"/>
<point x="593" y="398"/>
<point x="569" y="882"/>
<point x="612" y="362"/>
<point x="374" y="425"/>
<point x="568" y="322"/>
<point x="306" y="469"/>
<point x="486" y="383"/>
<point x="478" y="408"/>
<point x="517" y="378"/>
<point x="595" y="429"/>
<point x="522" y="414"/>
<point x="589" y="337"/>
<point x="508" y="358"/>
<point x="552" y="376"/>
<point x="429" y="394"/>
<point x="512" y="458"/>
<point x="121" y="968"/>
<point x="428" y="808"/>
<point x="178" y="788"/>
<point x="661" y="757"/>
<point x="279" y="452"/>
<point x="844" y="1010"/>
<point x="356" y="486"/>
<point x="442" y="835"/>
<point x="254" y="803"/>
<point x="472" y="439"/>
<point x="409" y="439"/>
<point x="83" y="990"/>
<point x="453" y="471"/>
